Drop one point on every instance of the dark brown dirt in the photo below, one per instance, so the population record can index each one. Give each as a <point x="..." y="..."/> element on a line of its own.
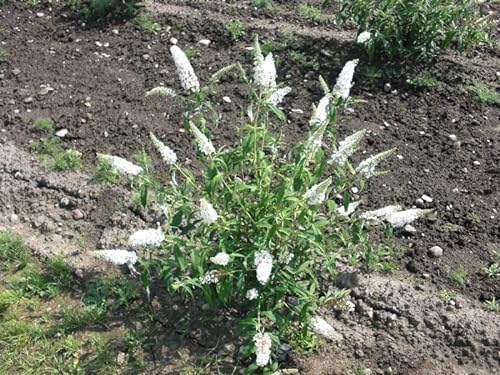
<point x="99" y="97"/>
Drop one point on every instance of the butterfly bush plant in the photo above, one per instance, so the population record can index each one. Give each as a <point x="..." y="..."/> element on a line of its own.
<point x="259" y="228"/>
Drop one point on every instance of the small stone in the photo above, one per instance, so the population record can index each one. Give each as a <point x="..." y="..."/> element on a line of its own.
<point x="427" y="198"/>
<point x="115" y="31"/>
<point x="40" y="14"/>
<point x="121" y="359"/>
<point x="76" y="214"/>
<point x="410" y="229"/>
<point x="419" y="202"/>
<point x="14" y="218"/>
<point x="453" y="137"/>
<point x="45" y="90"/>
<point x="355" y="190"/>
<point x="28" y="100"/>
<point x="411" y="266"/>
<point x="205" y="42"/>
<point x="146" y="57"/>
<point x="64" y="202"/>
<point x="79" y="273"/>
<point x="98" y="44"/>
<point x="359" y="353"/>
<point x="16" y="72"/>
<point x="227" y="99"/>
<point x="62" y="133"/>
<point x="173" y="41"/>
<point x="387" y="87"/>
<point x="435" y="252"/>
<point x="476" y="163"/>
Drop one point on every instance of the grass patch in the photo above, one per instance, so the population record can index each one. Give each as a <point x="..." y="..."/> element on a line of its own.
<point x="264" y="4"/>
<point x="44" y="124"/>
<point x="309" y="12"/>
<point x="144" y="22"/>
<point x="235" y="30"/>
<point x="13" y="252"/>
<point x="424" y="80"/>
<point x="105" y="173"/>
<point x="485" y="94"/>
<point x="459" y="276"/>
<point x="3" y="52"/>
<point x="56" y="157"/>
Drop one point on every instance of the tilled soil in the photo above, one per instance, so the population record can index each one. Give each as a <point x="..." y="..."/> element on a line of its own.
<point x="99" y="76"/>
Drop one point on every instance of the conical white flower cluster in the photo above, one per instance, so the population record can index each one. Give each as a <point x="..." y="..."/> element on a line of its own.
<point x="363" y="37"/>
<point x="210" y="277"/>
<point x="265" y="76"/>
<point x="207" y="212"/>
<point x="121" y="165"/>
<point x="263" y="345"/>
<point x="278" y="95"/>
<point x="394" y="216"/>
<point x="320" y="114"/>
<point x="117" y="256"/>
<point x="161" y="91"/>
<point x="346" y="148"/>
<point x="315" y="141"/>
<point x="320" y="327"/>
<point x="252" y="294"/>
<point x="344" y="81"/>
<point x="350" y="209"/>
<point x="402" y="218"/>
<point x="167" y="154"/>
<point x="317" y="194"/>
<point x="367" y="167"/>
<point x="146" y="237"/>
<point x="264" y="265"/>
<point x="221" y="259"/>
<point x="379" y="214"/>
<point x="189" y="81"/>
<point x="204" y="144"/>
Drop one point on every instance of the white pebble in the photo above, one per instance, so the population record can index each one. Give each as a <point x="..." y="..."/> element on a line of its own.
<point x="62" y="133"/>
<point x="426" y="198"/>
<point x="173" y="41"/>
<point x="205" y="42"/>
<point x="476" y="163"/>
<point x="453" y="137"/>
<point x="227" y="99"/>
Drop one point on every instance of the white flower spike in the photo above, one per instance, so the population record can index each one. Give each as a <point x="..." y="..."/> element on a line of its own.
<point x="221" y="259"/>
<point x="367" y="167"/>
<point x="379" y="214"/>
<point x="167" y="154"/>
<point x="204" y="144"/>
<point x="117" y="256"/>
<point x="207" y="212"/>
<point x="189" y="81"/>
<point x="317" y="194"/>
<point x="264" y="265"/>
<point x="320" y="114"/>
<point x="210" y="277"/>
<point x="363" y="37"/>
<point x="252" y="294"/>
<point x="350" y="209"/>
<point x="320" y="327"/>
<point x="265" y="72"/>
<point x="263" y="345"/>
<point x="346" y="148"/>
<point x="278" y="95"/>
<point x="402" y="218"/>
<point x="121" y="165"/>
<point x="344" y="81"/>
<point x="146" y="237"/>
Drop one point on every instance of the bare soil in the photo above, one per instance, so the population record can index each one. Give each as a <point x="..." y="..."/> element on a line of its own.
<point x="99" y="76"/>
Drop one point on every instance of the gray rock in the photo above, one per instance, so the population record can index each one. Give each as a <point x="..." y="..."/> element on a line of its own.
<point x="427" y="198"/>
<point x="28" y="100"/>
<point x="435" y="252"/>
<point x="14" y="218"/>
<point x="64" y="202"/>
<point x="387" y="87"/>
<point x="77" y="214"/>
<point x="62" y="133"/>
<point x="419" y="202"/>
<point x="453" y="137"/>
<point x="409" y="229"/>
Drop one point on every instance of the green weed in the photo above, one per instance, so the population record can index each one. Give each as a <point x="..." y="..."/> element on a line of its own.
<point x="235" y="29"/>
<point x="459" y="276"/>
<point x="485" y="94"/>
<point x="56" y="157"/>
<point x="309" y="12"/>
<point x="425" y="80"/>
<point x="3" y="52"/>
<point x="492" y="305"/>
<point x="44" y="124"/>
<point x="13" y="252"/>
<point x="105" y="173"/>
<point x="144" y="22"/>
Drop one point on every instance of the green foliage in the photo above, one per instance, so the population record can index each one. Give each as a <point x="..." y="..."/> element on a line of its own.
<point x="424" y="79"/>
<point x="446" y="295"/>
<point x="418" y="29"/>
<point x="13" y="252"/>
<point x="58" y="158"/>
<point x="459" y="276"/>
<point x="235" y="29"/>
<point x="264" y="4"/>
<point x="105" y="173"/>
<point x="144" y="22"/>
<point x="4" y="54"/>
<point x="97" y="10"/>
<point x="309" y="12"/>
<point x="44" y="124"/>
<point x="492" y="305"/>
<point x="485" y="94"/>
